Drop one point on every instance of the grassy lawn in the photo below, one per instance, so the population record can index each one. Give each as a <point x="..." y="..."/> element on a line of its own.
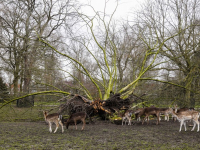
<point x="12" y="113"/>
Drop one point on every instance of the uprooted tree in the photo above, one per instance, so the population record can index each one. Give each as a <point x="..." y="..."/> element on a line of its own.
<point x="97" y="107"/>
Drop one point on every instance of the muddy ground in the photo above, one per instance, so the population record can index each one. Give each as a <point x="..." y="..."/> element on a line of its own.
<point x="101" y="135"/>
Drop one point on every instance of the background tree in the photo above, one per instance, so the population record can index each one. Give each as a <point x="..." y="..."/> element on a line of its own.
<point x="108" y="54"/>
<point x="20" y="21"/>
<point x="3" y="90"/>
<point x="171" y="17"/>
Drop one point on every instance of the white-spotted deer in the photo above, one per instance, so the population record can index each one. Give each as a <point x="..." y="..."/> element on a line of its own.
<point x="127" y="117"/>
<point x="176" y="110"/>
<point x="53" y="118"/>
<point x="184" y="116"/>
<point x="79" y="116"/>
<point x="165" y="112"/>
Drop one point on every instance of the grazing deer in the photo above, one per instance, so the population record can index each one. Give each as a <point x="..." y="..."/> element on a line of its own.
<point x="76" y="117"/>
<point x="138" y="113"/>
<point x="53" y="118"/>
<point x="127" y="116"/>
<point x="184" y="116"/>
<point x="151" y="111"/>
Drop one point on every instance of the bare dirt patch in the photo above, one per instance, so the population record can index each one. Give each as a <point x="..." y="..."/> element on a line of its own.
<point x="101" y="135"/>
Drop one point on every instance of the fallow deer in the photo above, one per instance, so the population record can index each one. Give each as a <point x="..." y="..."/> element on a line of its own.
<point x="151" y="111"/>
<point x="76" y="117"/>
<point x="127" y="116"/>
<point x="165" y="112"/>
<point x="53" y="118"/>
<point x="184" y="116"/>
<point x="176" y="110"/>
<point x="138" y="113"/>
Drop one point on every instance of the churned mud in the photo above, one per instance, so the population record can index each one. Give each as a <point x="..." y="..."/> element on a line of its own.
<point x="101" y="135"/>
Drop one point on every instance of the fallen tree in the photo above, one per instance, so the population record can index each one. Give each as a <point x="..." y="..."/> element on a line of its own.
<point x="101" y="107"/>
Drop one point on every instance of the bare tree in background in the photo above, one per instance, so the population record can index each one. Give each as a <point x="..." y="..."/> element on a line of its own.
<point x="21" y="24"/>
<point x="166" y="18"/>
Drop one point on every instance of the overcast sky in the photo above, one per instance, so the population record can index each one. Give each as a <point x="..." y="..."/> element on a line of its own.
<point x="125" y="7"/>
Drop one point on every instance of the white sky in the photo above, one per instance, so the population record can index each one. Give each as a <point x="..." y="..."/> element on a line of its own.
<point x="125" y="7"/>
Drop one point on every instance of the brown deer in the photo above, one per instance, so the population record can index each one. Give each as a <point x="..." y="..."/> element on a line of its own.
<point x="53" y="118"/>
<point x="151" y="111"/>
<point x="138" y="113"/>
<point x="76" y="117"/>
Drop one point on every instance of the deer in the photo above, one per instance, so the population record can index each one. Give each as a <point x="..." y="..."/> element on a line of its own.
<point x="138" y="113"/>
<point x="79" y="116"/>
<point x="127" y="116"/>
<point x="53" y="118"/>
<point x="166" y="113"/>
<point x="151" y="111"/>
<point x="184" y="116"/>
<point x="176" y="110"/>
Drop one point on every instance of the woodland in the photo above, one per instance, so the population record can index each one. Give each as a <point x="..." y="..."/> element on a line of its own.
<point x="51" y="49"/>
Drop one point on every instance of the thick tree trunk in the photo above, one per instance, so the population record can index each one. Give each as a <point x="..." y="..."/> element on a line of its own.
<point x="27" y="101"/>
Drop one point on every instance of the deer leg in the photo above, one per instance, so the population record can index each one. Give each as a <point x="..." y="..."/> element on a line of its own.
<point x="167" y="117"/>
<point x="129" y="121"/>
<point x="61" y="126"/>
<point x="144" y="119"/>
<point x="194" y="125"/>
<point x="197" y="126"/>
<point x="75" y="124"/>
<point x="181" y="123"/>
<point x="83" y="124"/>
<point x="139" y="119"/>
<point x="50" y="129"/>
<point x="158" y="119"/>
<point x="126" y="120"/>
<point x="185" y="125"/>
<point x="57" y="125"/>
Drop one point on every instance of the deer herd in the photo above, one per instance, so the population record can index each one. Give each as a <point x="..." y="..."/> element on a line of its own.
<point x="182" y="115"/>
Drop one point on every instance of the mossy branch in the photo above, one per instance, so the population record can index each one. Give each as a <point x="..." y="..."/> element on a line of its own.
<point x="37" y="93"/>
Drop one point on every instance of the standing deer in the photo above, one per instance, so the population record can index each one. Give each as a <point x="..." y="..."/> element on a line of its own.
<point x="184" y="116"/>
<point x="76" y="117"/>
<point x="127" y="116"/>
<point x="53" y="118"/>
<point x="138" y="113"/>
<point x="151" y="111"/>
<point x="176" y="110"/>
<point x="166" y="113"/>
